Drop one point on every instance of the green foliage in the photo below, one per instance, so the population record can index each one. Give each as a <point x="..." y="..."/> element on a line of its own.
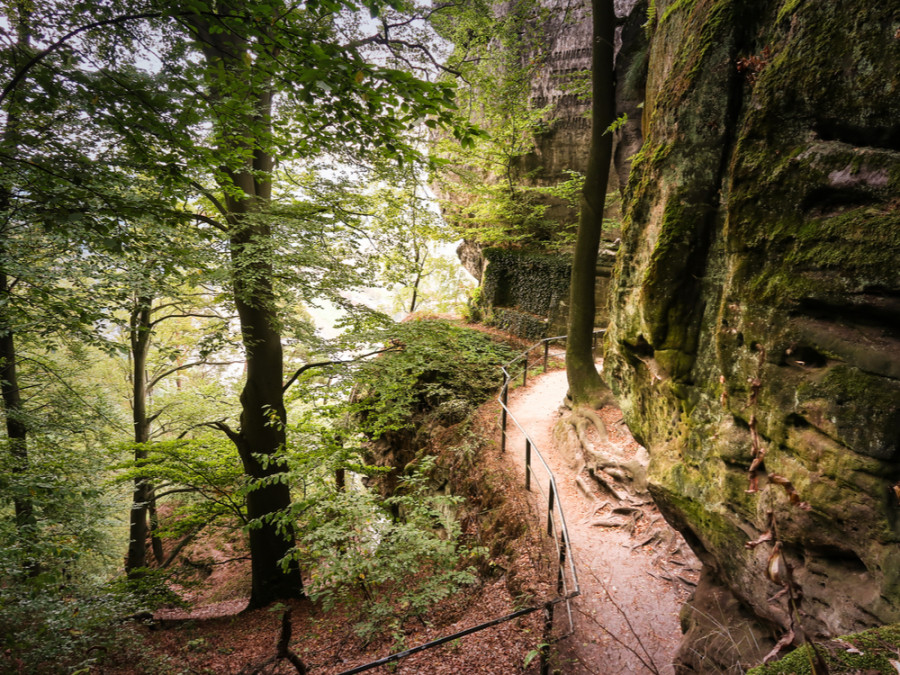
<point x="147" y="590"/>
<point x="443" y="371"/>
<point x="204" y="473"/>
<point x="412" y="245"/>
<point x="493" y="191"/>
<point x="79" y="628"/>
<point x="71" y="420"/>
<point x="136" y="163"/>
<point x="396" y="567"/>
<point x="530" y="282"/>
<point x="617" y="124"/>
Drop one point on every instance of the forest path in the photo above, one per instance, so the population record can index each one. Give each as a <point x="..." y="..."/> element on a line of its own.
<point x="626" y="619"/>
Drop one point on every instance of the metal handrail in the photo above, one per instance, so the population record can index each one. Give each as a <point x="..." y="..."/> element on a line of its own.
<point x="565" y="556"/>
<point x="564" y="550"/>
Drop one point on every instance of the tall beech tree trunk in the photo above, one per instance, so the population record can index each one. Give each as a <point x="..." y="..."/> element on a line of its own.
<point x="140" y="330"/>
<point x="248" y="191"/>
<point x="585" y="384"/>
<point x="16" y="427"/>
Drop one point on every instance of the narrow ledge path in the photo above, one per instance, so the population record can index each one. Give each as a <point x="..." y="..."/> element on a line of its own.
<point x="632" y="584"/>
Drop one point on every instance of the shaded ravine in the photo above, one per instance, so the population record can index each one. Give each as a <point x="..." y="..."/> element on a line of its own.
<point x="649" y="583"/>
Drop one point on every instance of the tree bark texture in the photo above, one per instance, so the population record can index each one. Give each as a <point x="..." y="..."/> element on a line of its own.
<point x="584" y="380"/>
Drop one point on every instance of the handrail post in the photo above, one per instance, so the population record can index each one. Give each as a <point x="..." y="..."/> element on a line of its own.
<point x="550" y="510"/>
<point x="504" y="396"/>
<point x="525" y="370"/>
<point x="527" y="464"/>
<point x="562" y="566"/>
<point x="546" y="354"/>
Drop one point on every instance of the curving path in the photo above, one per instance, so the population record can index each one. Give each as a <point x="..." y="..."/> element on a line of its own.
<point x="627" y="615"/>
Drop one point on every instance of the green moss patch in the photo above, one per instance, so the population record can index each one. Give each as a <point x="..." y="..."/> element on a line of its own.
<point x="872" y="652"/>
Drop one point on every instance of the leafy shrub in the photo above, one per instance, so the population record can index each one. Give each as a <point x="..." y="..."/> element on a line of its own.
<point x="442" y="368"/>
<point x="358" y="552"/>
<point x="49" y="629"/>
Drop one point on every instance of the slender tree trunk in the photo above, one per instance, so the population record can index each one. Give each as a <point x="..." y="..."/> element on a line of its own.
<point x="155" y="542"/>
<point x="16" y="429"/>
<point x="415" y="294"/>
<point x="140" y="329"/>
<point x="585" y="384"/>
<point x="421" y="257"/>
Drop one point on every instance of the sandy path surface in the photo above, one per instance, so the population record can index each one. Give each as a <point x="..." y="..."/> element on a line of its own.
<point x="648" y="583"/>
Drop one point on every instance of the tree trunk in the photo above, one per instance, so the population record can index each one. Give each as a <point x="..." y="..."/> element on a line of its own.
<point x="140" y="328"/>
<point x="263" y="415"/>
<point x="585" y="384"/>
<point x="262" y="428"/>
<point x="420" y="258"/>
<point x="155" y="541"/>
<point x="16" y="427"/>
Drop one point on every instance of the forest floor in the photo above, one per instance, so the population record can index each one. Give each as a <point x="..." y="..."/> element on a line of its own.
<point x="632" y="586"/>
<point x="633" y="583"/>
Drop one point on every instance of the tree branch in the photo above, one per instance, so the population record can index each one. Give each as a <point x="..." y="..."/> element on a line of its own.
<point x="396" y="345"/>
<point x="37" y="58"/>
<point x="152" y="383"/>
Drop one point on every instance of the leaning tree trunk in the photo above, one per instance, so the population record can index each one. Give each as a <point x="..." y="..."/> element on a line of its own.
<point x="585" y="384"/>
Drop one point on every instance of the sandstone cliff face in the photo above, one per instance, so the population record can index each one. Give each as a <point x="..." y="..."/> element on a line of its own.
<point x="524" y="293"/>
<point x="756" y="297"/>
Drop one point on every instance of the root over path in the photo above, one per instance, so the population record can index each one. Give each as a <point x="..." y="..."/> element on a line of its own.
<point x="635" y="572"/>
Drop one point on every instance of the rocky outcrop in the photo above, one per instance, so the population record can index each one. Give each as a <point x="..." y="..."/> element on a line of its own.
<point x="530" y="298"/>
<point x="754" y="343"/>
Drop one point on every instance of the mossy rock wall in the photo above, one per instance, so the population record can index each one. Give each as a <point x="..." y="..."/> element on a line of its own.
<point x="527" y="294"/>
<point x="756" y="296"/>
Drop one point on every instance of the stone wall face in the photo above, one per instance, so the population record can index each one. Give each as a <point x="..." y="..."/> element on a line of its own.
<point x="565" y="54"/>
<point x="756" y="297"/>
<point x="527" y="294"/>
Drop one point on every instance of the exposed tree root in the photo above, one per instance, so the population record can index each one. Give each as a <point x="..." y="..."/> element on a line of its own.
<point x="571" y="435"/>
<point x="579" y="481"/>
<point x="608" y="485"/>
<point x="608" y="523"/>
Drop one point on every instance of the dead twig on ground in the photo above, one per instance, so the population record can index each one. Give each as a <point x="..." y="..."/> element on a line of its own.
<point x="648" y="663"/>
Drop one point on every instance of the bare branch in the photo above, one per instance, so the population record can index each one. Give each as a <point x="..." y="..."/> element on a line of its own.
<point x="184" y="366"/>
<point x="41" y="55"/>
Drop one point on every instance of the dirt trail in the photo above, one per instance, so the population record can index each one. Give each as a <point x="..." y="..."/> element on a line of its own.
<point x="649" y="582"/>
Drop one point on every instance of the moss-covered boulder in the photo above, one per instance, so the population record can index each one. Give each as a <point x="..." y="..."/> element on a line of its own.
<point x="756" y="296"/>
